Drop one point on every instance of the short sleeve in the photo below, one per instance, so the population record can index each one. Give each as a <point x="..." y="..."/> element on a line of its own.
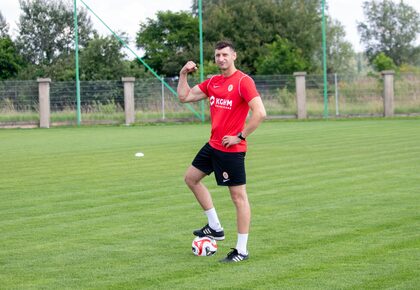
<point x="203" y="86"/>
<point x="247" y="89"/>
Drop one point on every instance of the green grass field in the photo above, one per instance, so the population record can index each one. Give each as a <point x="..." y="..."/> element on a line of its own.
<point x="336" y="205"/>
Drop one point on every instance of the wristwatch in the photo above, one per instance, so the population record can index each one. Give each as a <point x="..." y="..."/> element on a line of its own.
<point x="240" y="136"/>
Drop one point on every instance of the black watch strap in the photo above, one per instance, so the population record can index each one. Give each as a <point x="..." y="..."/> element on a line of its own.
<point x="240" y="136"/>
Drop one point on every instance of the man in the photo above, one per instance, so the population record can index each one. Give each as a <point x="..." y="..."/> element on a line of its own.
<point x="231" y="94"/>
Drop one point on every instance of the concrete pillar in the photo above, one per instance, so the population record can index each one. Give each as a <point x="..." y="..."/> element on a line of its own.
<point x="388" y="96"/>
<point x="44" y="102"/>
<point x="301" y="94"/>
<point x="129" y="100"/>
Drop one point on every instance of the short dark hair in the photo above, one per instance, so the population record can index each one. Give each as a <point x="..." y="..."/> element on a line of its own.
<point x="224" y="43"/>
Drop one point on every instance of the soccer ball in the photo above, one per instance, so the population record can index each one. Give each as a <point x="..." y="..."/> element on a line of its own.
<point x="204" y="246"/>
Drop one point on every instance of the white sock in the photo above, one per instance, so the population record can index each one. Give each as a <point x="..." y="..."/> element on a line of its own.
<point x="241" y="244"/>
<point x="213" y="219"/>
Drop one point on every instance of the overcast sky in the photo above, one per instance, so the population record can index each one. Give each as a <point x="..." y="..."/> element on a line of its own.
<point x="125" y="15"/>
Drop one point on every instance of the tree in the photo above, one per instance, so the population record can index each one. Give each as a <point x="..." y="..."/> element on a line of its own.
<point x="102" y="59"/>
<point x="281" y="57"/>
<point x="134" y="68"/>
<point x="4" y="27"/>
<point x="390" y="28"/>
<point x="415" y="56"/>
<point x="10" y="61"/>
<point x="251" y="24"/>
<point x="382" y="62"/>
<point x="169" y="41"/>
<point x="46" y="30"/>
<point x="340" y="53"/>
<point x="301" y="25"/>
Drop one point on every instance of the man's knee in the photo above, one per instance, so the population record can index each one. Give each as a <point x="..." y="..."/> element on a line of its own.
<point x="238" y="195"/>
<point x="189" y="180"/>
<point x="193" y="176"/>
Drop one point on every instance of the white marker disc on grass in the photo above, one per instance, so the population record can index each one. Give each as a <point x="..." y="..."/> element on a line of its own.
<point x="139" y="154"/>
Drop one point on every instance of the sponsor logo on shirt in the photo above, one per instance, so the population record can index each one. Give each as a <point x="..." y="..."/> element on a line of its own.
<point x="221" y="103"/>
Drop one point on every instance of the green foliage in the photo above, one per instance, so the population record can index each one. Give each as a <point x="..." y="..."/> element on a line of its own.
<point x="391" y="28"/>
<point x="363" y="65"/>
<point x="406" y="68"/>
<point x="252" y="24"/>
<point x="285" y="97"/>
<point x="4" y="27"/>
<point x="7" y="106"/>
<point x="340" y="53"/>
<point x="46" y="30"/>
<point x="10" y="60"/>
<point x="301" y="24"/>
<point x="169" y="41"/>
<point x="102" y="94"/>
<point x="382" y="62"/>
<point x="281" y="57"/>
<point x="415" y="56"/>
<point x="106" y="108"/>
<point x="134" y="68"/>
<point x="62" y="69"/>
<point x="102" y="59"/>
<point x="210" y="68"/>
<point x="46" y="38"/>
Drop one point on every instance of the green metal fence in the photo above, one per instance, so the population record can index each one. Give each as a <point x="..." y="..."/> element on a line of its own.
<point x="103" y="101"/>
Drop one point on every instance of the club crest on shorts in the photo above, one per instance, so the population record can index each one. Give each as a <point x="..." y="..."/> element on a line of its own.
<point x="225" y="175"/>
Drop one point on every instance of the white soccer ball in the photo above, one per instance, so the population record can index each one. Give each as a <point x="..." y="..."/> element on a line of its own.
<point x="204" y="246"/>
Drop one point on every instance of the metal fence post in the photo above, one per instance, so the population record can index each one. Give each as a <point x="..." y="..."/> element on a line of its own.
<point x="336" y="95"/>
<point x="44" y="102"/>
<point x="129" y="100"/>
<point x="301" y="94"/>
<point x="388" y="93"/>
<point x="163" y="100"/>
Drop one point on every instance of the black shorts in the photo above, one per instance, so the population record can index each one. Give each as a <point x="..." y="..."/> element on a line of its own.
<point x="228" y="167"/>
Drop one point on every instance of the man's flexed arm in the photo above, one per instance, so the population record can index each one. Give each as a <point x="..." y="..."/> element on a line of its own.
<point x="185" y="93"/>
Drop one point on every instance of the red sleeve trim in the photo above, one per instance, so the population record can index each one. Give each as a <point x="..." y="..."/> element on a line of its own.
<point x="240" y="80"/>
<point x="239" y="86"/>
<point x="208" y="84"/>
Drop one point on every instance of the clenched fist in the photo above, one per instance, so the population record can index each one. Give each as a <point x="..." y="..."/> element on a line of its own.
<point x="188" y="68"/>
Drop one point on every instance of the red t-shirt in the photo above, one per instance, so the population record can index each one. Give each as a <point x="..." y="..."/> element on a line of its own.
<point x="228" y="97"/>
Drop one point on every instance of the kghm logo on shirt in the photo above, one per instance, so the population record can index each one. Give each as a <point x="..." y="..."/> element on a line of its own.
<point x="221" y="103"/>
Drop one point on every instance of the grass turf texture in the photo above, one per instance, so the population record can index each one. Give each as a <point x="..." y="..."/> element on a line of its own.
<point x="335" y="206"/>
